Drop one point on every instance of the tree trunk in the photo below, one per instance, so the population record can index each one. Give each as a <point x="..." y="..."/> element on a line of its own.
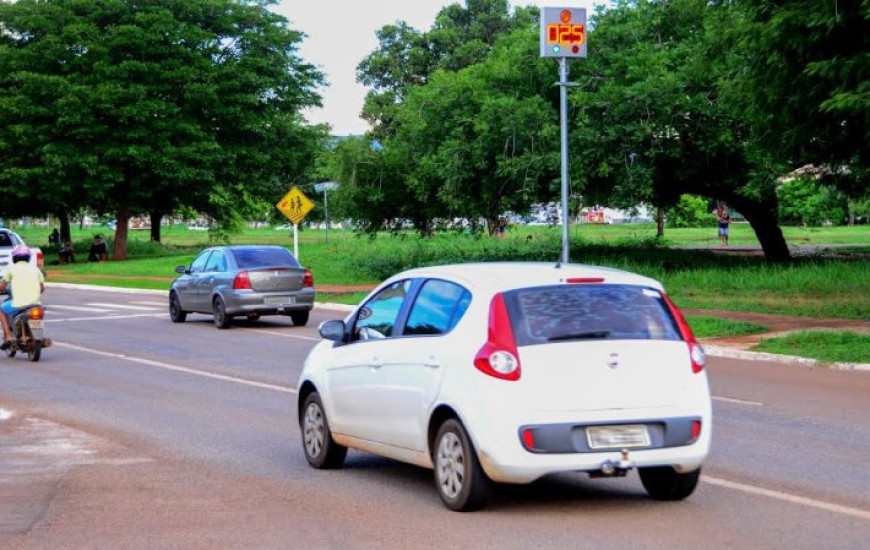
<point x="156" y="218"/>
<point x="660" y="222"/>
<point x="63" y="218"/>
<point x="762" y="217"/>
<point x="119" y="249"/>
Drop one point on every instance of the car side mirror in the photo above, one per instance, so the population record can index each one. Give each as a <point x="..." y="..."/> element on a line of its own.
<point x="334" y="330"/>
<point x="182" y="269"/>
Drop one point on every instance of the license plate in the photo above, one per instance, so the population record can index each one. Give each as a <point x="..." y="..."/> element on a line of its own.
<point x="280" y="300"/>
<point x="34" y="324"/>
<point x="617" y="437"/>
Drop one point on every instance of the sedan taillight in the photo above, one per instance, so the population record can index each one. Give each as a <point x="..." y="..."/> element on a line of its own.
<point x="498" y="357"/>
<point x="308" y="279"/>
<point x="40" y="260"/>
<point x="242" y="281"/>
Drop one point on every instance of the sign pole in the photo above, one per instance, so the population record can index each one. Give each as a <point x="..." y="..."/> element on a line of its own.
<point x="563" y="115"/>
<point x="296" y="240"/>
<point x="326" y="212"/>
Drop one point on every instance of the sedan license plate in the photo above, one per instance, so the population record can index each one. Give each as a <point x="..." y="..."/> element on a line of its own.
<point x="34" y="324"/>
<point x="617" y="437"/>
<point x="280" y="300"/>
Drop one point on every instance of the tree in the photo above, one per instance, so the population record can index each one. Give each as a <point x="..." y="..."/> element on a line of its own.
<point x="155" y="104"/>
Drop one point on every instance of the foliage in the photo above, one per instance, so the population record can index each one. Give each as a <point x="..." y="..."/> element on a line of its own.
<point x="691" y="211"/>
<point x="707" y="326"/>
<point x="808" y="202"/>
<point x="839" y="347"/>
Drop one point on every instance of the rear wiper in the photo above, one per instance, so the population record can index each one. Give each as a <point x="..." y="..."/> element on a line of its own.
<point x="580" y="335"/>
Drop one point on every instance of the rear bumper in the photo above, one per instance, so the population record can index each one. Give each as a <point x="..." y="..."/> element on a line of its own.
<point x="248" y="302"/>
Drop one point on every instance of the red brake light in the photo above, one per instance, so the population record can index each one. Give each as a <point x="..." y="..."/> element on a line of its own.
<point x="242" y="281"/>
<point x="39" y="259"/>
<point x="498" y="357"/>
<point x="529" y="439"/>
<point x="309" y="279"/>
<point x="696" y="352"/>
<point x="584" y="280"/>
<point x="37" y="313"/>
<point x="696" y="430"/>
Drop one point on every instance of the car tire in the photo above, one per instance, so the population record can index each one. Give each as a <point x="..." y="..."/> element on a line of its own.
<point x="665" y="483"/>
<point x="219" y="309"/>
<point x="300" y="318"/>
<point x="461" y="482"/>
<point x="321" y="451"/>
<point x="177" y="314"/>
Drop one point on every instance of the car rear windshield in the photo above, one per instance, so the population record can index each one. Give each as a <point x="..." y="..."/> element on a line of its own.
<point x="252" y="258"/>
<point x="558" y="313"/>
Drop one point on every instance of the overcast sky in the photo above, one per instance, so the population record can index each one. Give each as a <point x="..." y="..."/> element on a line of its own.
<point x="340" y="33"/>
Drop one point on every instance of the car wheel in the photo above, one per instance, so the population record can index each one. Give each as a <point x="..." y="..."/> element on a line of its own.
<point x="321" y="451"/>
<point x="177" y="314"/>
<point x="665" y="483"/>
<point x="460" y="480"/>
<point x="300" y="318"/>
<point x="221" y="319"/>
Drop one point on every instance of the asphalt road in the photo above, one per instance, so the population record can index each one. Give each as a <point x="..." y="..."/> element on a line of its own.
<point x="134" y="432"/>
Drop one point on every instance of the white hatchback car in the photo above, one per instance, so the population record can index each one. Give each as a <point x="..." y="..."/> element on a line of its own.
<point x="507" y="372"/>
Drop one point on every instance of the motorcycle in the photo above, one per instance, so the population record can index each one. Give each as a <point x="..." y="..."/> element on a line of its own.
<point x="28" y="331"/>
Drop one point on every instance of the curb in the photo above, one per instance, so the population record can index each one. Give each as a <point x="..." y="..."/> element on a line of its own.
<point x="730" y="353"/>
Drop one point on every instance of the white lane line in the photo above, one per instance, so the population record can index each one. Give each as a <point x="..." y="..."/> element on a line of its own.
<point x="283" y="334"/>
<point x="794" y="499"/>
<point x="737" y="401"/>
<point x="120" y="306"/>
<point x="105" y="318"/>
<point x="5" y="415"/>
<point x="177" y="368"/>
<point x="77" y="308"/>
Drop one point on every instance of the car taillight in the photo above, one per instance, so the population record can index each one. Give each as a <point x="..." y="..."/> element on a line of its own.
<point x="696" y="431"/>
<point x="37" y="313"/>
<point x="242" y="281"/>
<point x="309" y="278"/>
<point x="696" y="352"/>
<point x="498" y="357"/>
<point x="39" y="259"/>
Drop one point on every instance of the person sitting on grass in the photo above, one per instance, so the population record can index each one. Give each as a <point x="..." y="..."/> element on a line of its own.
<point x="66" y="254"/>
<point x="99" y="250"/>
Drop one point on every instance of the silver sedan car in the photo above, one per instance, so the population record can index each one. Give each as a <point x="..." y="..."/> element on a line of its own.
<point x="245" y="280"/>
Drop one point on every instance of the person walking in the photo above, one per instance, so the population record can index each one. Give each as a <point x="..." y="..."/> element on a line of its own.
<point x="723" y="221"/>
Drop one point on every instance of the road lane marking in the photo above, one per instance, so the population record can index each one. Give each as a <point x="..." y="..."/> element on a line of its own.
<point x="120" y="306"/>
<point x="178" y="368"/>
<point x="78" y="308"/>
<point x="737" y="401"/>
<point x="283" y="334"/>
<point x="794" y="499"/>
<point x="105" y="318"/>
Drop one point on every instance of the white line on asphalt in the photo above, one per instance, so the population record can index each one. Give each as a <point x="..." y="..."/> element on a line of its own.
<point x="283" y="334"/>
<point x="5" y="415"/>
<point x="178" y="368"/>
<point x="119" y="306"/>
<point x="794" y="499"/>
<point x="105" y="318"/>
<point x="78" y="308"/>
<point x="737" y="401"/>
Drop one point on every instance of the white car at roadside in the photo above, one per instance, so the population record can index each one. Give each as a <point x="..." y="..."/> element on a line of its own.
<point x="506" y="372"/>
<point x="9" y="240"/>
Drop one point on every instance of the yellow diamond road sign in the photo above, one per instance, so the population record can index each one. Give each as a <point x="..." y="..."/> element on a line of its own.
<point x="295" y="205"/>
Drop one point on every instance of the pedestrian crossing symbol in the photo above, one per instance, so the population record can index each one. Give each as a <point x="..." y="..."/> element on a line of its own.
<point x="295" y="205"/>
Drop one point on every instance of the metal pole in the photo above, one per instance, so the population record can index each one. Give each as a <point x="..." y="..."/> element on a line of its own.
<point x="326" y="211"/>
<point x="296" y="240"/>
<point x="563" y="114"/>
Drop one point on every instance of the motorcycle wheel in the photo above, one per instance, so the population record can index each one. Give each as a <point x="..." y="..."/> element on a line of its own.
<point x="34" y="351"/>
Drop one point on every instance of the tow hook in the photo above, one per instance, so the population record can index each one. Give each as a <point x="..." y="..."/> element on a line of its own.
<point x="610" y="468"/>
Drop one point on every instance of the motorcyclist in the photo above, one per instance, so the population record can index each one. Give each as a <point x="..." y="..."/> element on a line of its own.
<point x="29" y="284"/>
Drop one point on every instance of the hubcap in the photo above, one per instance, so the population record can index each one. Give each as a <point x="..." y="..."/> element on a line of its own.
<point x="313" y="430"/>
<point x="450" y="464"/>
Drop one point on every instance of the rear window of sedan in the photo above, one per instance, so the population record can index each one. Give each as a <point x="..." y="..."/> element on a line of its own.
<point x="253" y="258"/>
<point x="586" y="312"/>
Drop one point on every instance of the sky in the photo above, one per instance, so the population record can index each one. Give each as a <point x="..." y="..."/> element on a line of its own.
<point x="340" y="33"/>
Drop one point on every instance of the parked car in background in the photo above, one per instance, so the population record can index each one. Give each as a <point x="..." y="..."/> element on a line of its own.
<point x="246" y="280"/>
<point x="507" y="372"/>
<point x="10" y="239"/>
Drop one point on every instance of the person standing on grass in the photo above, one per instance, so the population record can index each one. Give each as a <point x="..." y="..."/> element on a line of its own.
<point x="723" y="221"/>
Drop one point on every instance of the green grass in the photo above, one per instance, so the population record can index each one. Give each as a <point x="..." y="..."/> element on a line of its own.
<point x="705" y="326"/>
<point x="841" y="347"/>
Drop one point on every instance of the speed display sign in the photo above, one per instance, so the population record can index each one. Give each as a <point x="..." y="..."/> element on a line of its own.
<point x="563" y="32"/>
